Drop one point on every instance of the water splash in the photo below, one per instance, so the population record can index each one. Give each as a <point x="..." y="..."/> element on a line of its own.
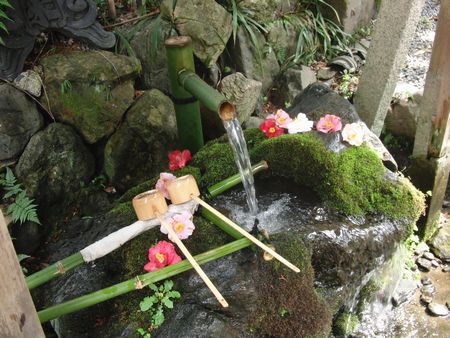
<point x="239" y="146"/>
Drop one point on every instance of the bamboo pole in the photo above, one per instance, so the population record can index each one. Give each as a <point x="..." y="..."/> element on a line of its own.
<point x="187" y="108"/>
<point x="17" y="313"/>
<point x="112" y="10"/>
<point x="71" y="262"/>
<point x="138" y="283"/>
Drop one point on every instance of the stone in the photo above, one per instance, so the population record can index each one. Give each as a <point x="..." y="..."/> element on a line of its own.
<point x="401" y="118"/>
<point x="265" y="10"/>
<point x="393" y="31"/>
<point x="426" y="280"/>
<point x="254" y="122"/>
<point x="295" y="80"/>
<point x="446" y="269"/>
<point x="428" y="255"/>
<point x="54" y="164"/>
<point x="404" y="292"/>
<point x="424" y="264"/>
<point x="205" y="21"/>
<point x="138" y="149"/>
<point x="434" y="263"/>
<point x="428" y="289"/>
<point x="252" y="61"/>
<point x="326" y="73"/>
<point x="19" y="120"/>
<point x="90" y="90"/>
<point x="437" y="309"/>
<point x="153" y="59"/>
<point x="319" y="99"/>
<point x="27" y="237"/>
<point x="29" y="81"/>
<point x="414" y="267"/>
<point x="353" y="14"/>
<point x="421" y="248"/>
<point x="242" y="92"/>
<point x="426" y="299"/>
<point x="283" y="39"/>
<point x="440" y="244"/>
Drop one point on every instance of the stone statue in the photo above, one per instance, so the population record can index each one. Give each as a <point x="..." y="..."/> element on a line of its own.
<point x="29" y="18"/>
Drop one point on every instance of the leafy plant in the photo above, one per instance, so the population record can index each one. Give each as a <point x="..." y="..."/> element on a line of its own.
<point x="66" y="86"/>
<point x="21" y="257"/>
<point x="348" y="85"/>
<point x="3" y="5"/>
<point x="22" y="208"/>
<point x="155" y="304"/>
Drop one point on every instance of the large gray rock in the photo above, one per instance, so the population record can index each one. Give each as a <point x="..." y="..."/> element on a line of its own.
<point x="295" y="80"/>
<point x="282" y="38"/>
<point x="19" y="120"/>
<point x="205" y="21"/>
<point x="54" y="164"/>
<point x="251" y="60"/>
<point x="90" y="90"/>
<point x="138" y="149"/>
<point x="148" y="46"/>
<point x="319" y="99"/>
<point x="353" y="14"/>
<point x="265" y="10"/>
<point x="242" y="92"/>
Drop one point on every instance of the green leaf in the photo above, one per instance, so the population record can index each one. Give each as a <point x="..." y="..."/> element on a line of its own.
<point x="168" y="285"/>
<point x="174" y="294"/>
<point x="158" y="318"/>
<point x="168" y="303"/>
<point x="146" y="304"/>
<point x="153" y="287"/>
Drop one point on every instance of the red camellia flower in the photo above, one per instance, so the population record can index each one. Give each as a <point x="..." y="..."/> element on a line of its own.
<point x="161" y="255"/>
<point x="270" y="128"/>
<point x="178" y="159"/>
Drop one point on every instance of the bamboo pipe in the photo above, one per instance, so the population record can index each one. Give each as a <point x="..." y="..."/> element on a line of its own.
<point x="151" y="204"/>
<point x="185" y="188"/>
<point x="138" y="282"/>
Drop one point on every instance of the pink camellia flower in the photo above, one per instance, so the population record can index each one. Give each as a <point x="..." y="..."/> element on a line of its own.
<point x="178" y="159"/>
<point x="161" y="255"/>
<point x="181" y="224"/>
<point x="164" y="178"/>
<point x="281" y="118"/>
<point x="270" y="128"/>
<point x="353" y="133"/>
<point x="329" y="123"/>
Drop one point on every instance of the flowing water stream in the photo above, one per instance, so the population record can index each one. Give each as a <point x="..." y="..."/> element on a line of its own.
<point x="239" y="146"/>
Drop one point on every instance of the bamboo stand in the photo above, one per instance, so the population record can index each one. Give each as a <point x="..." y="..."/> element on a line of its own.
<point x="152" y="204"/>
<point x="185" y="188"/>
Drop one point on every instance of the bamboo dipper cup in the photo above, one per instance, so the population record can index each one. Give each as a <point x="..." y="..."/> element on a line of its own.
<point x="151" y="204"/>
<point x="185" y="188"/>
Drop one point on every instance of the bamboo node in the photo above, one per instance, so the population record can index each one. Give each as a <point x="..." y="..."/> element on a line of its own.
<point x="60" y="270"/>
<point x="138" y="284"/>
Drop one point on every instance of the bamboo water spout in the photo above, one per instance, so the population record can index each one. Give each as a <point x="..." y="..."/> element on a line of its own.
<point x="185" y="188"/>
<point x="152" y="204"/>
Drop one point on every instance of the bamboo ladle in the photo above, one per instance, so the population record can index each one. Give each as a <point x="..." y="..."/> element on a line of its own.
<point x="185" y="188"/>
<point x="152" y="204"/>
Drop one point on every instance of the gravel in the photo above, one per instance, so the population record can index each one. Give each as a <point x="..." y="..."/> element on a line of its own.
<point x="419" y="52"/>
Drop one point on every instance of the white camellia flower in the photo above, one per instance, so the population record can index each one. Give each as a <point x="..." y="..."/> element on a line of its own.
<point x="301" y="124"/>
<point x="353" y="133"/>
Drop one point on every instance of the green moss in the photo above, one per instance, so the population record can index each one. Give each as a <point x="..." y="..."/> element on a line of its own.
<point x="150" y="184"/>
<point x="289" y="305"/>
<point x="123" y="211"/>
<point x="345" y="324"/>
<point x="216" y="163"/>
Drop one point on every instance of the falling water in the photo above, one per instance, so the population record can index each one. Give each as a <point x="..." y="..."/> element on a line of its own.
<point x="237" y="141"/>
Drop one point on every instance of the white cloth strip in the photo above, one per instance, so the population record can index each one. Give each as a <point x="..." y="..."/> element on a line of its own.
<point x="116" y="239"/>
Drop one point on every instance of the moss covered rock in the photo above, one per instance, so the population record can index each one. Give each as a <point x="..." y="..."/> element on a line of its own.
<point x="354" y="181"/>
<point x="89" y="90"/>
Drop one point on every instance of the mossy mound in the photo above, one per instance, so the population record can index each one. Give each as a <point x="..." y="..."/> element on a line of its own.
<point x="290" y="307"/>
<point x="353" y="181"/>
<point x="345" y="324"/>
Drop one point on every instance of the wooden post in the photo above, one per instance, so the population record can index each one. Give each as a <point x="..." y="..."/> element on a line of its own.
<point x="112" y="10"/>
<point x="431" y="146"/>
<point x="18" y="317"/>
